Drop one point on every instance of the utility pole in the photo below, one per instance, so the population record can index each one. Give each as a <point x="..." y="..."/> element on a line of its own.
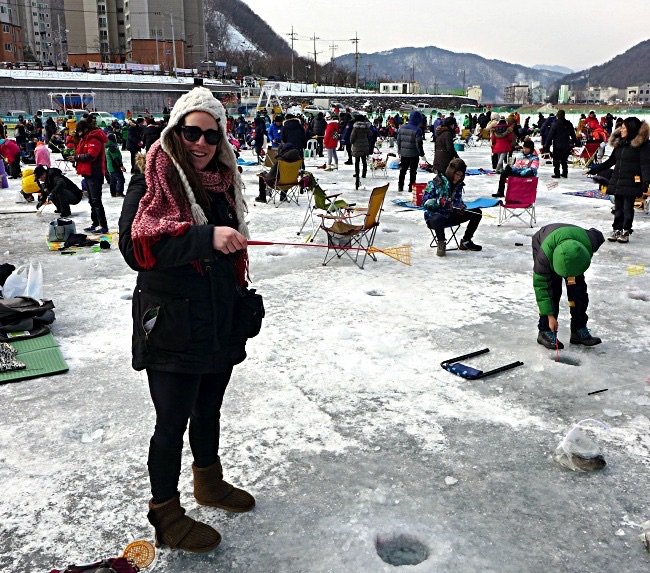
<point x="314" y="38"/>
<point x="369" y="78"/>
<point x="293" y="37"/>
<point x="355" y="41"/>
<point x="333" y="47"/>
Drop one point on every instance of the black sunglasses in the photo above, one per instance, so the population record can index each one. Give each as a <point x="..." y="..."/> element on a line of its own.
<point x="193" y="133"/>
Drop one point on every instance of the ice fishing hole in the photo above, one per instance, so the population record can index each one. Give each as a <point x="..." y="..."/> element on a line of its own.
<point x="639" y="296"/>
<point x="570" y="360"/>
<point x="389" y="230"/>
<point x="401" y="549"/>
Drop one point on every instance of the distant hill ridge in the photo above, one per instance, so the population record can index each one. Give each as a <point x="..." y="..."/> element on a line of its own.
<point x="627" y="69"/>
<point x="433" y="66"/>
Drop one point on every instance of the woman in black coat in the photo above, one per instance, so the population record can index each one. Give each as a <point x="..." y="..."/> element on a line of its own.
<point x="183" y="229"/>
<point x="631" y="176"/>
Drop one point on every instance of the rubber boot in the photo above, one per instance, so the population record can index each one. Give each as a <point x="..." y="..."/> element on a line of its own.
<point x="178" y="531"/>
<point x="211" y="489"/>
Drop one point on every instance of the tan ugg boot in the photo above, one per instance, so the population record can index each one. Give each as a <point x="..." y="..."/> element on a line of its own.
<point x="210" y="489"/>
<point x="177" y="530"/>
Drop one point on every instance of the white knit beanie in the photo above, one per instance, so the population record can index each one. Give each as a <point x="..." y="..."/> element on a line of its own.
<point x="201" y="99"/>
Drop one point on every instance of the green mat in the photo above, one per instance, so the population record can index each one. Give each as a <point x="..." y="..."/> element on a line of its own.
<point x="42" y="356"/>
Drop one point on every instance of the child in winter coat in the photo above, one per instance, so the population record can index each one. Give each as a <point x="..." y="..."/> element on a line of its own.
<point x="42" y="155"/>
<point x="526" y="165"/>
<point x="562" y="251"/>
<point x="114" y="166"/>
<point x="502" y="139"/>
<point x="444" y="207"/>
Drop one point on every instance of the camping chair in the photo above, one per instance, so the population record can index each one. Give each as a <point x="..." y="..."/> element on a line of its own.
<point x="312" y="148"/>
<point x="286" y="181"/>
<point x="377" y="163"/>
<point x="583" y="156"/>
<point x="271" y="157"/>
<point x="318" y="200"/>
<point x="345" y="238"/>
<point x="521" y="193"/>
<point x="454" y="229"/>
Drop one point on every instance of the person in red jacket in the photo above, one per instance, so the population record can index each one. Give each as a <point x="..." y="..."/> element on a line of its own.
<point x="90" y="160"/>
<point x="10" y="150"/>
<point x="502" y="140"/>
<point x="331" y="141"/>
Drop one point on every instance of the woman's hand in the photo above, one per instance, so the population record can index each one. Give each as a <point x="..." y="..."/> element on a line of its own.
<point x="227" y="240"/>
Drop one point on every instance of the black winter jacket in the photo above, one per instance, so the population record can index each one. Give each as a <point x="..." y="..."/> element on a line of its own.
<point x="193" y="328"/>
<point x="562" y="136"/>
<point x="360" y="139"/>
<point x="294" y="133"/>
<point x="631" y="163"/>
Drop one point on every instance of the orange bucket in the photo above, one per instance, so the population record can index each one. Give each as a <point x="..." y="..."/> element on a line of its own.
<point x="418" y="192"/>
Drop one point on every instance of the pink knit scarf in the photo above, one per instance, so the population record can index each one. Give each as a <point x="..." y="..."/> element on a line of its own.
<point x="161" y="214"/>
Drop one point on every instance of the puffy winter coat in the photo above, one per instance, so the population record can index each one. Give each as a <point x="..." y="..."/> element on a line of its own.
<point x="360" y="139"/>
<point x="89" y="154"/>
<point x="409" y="137"/>
<point x="564" y="250"/>
<point x="319" y="125"/>
<point x="113" y="157"/>
<point x="440" y="197"/>
<point x="194" y="324"/>
<point x="10" y="150"/>
<point x="445" y="150"/>
<point x="294" y="133"/>
<point x="502" y="138"/>
<point x="330" y="141"/>
<point x="631" y="163"/>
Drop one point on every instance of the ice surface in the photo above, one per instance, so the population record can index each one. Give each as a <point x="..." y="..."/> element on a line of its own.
<point x="341" y="421"/>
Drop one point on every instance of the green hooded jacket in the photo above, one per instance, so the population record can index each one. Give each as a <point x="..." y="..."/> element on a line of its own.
<point x="113" y="157"/>
<point x="564" y="250"/>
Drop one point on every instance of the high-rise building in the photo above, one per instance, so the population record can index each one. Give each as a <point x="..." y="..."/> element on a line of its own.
<point x="164" y="32"/>
<point x="11" y="33"/>
<point x="36" y="21"/>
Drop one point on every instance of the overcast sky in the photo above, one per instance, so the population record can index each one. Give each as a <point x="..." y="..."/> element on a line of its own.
<point x="573" y="33"/>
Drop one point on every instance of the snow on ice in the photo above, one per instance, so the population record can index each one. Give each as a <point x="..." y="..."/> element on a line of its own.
<point x="341" y="421"/>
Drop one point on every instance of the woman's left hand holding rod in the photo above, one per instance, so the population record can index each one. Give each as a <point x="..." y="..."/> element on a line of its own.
<point x="227" y="240"/>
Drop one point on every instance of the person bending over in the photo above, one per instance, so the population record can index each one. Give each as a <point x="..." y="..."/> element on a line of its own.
<point x="563" y="252"/>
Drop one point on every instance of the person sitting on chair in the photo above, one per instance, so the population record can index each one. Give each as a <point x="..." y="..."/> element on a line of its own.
<point x="286" y="152"/>
<point x="526" y="165"/>
<point x="562" y="251"/>
<point x="444" y="207"/>
<point x="57" y="188"/>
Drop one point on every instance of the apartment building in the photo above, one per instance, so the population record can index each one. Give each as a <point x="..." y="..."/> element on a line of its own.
<point x="11" y="34"/>
<point x="164" y="32"/>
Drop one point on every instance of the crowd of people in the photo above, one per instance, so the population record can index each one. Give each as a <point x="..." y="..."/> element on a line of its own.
<point x="183" y="229"/>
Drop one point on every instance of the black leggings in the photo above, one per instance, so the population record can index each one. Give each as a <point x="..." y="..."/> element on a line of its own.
<point x="623" y="212"/>
<point x="178" y="398"/>
<point x="364" y="161"/>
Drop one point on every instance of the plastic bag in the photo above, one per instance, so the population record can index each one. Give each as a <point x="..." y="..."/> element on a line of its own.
<point x="25" y="281"/>
<point x="578" y="452"/>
